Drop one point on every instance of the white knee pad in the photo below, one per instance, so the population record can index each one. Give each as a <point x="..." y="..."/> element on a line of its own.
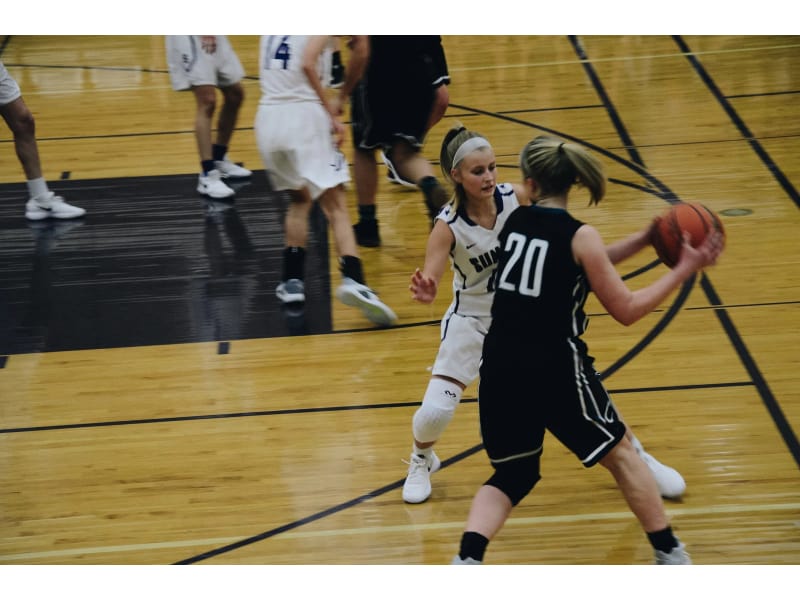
<point x="438" y="407"/>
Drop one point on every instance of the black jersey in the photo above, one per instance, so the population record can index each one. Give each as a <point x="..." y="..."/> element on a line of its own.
<point x="539" y="289"/>
<point x="536" y="373"/>
<point x="404" y="58"/>
<point x="395" y="96"/>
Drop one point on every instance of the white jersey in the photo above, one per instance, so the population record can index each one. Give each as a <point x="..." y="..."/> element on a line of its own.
<point x="281" y="69"/>
<point x="475" y="253"/>
<point x="292" y="127"/>
<point x="474" y="260"/>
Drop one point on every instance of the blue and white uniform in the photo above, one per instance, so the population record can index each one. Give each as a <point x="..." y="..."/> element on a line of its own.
<point x="474" y="260"/>
<point x="190" y="65"/>
<point x="293" y="129"/>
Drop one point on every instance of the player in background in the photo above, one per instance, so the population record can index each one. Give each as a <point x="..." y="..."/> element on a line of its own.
<point x="299" y="133"/>
<point x="392" y="109"/>
<point x="203" y="64"/>
<point x="42" y="203"/>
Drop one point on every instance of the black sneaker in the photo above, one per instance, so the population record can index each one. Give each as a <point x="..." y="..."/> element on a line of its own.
<point x="367" y="233"/>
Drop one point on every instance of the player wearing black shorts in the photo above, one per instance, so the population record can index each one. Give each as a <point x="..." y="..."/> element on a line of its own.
<point x="391" y="111"/>
<point x="536" y="373"/>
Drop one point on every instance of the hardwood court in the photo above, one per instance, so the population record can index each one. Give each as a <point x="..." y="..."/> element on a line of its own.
<point x="156" y="433"/>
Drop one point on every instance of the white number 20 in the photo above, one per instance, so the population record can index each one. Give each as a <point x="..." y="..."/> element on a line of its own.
<point x="530" y="283"/>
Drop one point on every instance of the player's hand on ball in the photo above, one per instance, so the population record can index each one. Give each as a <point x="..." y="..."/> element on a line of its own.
<point x="706" y="254"/>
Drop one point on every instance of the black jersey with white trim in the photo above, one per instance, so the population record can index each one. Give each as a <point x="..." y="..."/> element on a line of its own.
<point x="540" y="291"/>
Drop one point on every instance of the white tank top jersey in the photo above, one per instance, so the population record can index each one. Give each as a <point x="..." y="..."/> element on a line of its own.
<point x="475" y="254"/>
<point x="281" y="69"/>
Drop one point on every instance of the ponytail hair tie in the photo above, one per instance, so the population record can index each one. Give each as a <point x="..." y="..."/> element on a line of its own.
<point x="561" y="148"/>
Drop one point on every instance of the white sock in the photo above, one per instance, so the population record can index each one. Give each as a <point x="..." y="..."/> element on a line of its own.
<point x="37" y="187"/>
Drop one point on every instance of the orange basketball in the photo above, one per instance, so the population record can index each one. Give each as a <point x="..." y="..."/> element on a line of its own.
<point x="667" y="233"/>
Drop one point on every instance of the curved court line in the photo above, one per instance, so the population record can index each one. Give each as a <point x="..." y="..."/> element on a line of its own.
<point x="636" y="164"/>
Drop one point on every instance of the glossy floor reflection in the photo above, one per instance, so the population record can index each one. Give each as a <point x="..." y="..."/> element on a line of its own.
<point x="151" y="263"/>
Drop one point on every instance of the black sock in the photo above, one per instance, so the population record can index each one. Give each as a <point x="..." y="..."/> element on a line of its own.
<point x="663" y="540"/>
<point x="435" y="194"/>
<point x="473" y="545"/>
<point x="218" y="151"/>
<point x="427" y="183"/>
<point x="350" y="266"/>
<point x="206" y="165"/>
<point x="366" y="212"/>
<point x="294" y="260"/>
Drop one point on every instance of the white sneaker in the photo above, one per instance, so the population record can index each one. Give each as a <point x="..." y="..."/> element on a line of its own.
<point x="457" y="560"/>
<point x="211" y="185"/>
<point x="417" y="487"/>
<point x="670" y="483"/>
<point x="51" y="206"/>
<point x="393" y="175"/>
<point x="676" y="556"/>
<point x="360" y="296"/>
<point x="292" y="290"/>
<point x="230" y="169"/>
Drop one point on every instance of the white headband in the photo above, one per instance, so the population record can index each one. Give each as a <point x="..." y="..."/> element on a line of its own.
<point x="471" y="144"/>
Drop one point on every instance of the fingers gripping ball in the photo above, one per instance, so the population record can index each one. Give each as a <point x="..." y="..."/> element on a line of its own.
<point x="666" y="235"/>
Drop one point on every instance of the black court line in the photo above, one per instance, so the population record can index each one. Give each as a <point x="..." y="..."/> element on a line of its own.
<point x="659" y="189"/>
<point x="662" y="191"/>
<point x="3" y="45"/>
<point x="762" y="94"/>
<point x="738" y="122"/>
<point x="610" y="108"/>
<point x="327" y="409"/>
<point x="767" y="397"/>
<point x="87" y="68"/>
<point x="321" y="514"/>
<point x="753" y="305"/>
<point x="669" y="315"/>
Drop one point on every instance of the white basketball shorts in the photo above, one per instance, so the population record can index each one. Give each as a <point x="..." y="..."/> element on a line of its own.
<point x="190" y="65"/>
<point x="460" y="350"/>
<point x="297" y="147"/>
<point x="9" y="90"/>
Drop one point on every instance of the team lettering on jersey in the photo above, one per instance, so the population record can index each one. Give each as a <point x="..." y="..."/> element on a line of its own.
<point x="485" y="260"/>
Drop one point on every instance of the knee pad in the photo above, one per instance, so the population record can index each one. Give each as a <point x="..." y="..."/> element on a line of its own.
<point x="516" y="477"/>
<point x="437" y="410"/>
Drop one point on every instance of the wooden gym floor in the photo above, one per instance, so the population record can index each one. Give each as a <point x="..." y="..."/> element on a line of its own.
<point x="158" y="407"/>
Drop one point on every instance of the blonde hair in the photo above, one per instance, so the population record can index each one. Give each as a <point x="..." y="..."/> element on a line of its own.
<point x="556" y="165"/>
<point x="453" y="140"/>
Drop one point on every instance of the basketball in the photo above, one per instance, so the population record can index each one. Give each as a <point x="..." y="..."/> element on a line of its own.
<point x="666" y="236"/>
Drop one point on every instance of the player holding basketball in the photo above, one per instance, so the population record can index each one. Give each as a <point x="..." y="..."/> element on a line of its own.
<point x="466" y="233"/>
<point x="548" y="263"/>
<point x="298" y="132"/>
